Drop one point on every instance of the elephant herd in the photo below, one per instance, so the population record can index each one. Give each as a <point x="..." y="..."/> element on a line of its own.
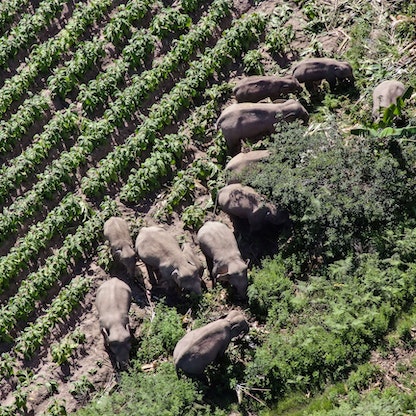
<point x="167" y="263"/>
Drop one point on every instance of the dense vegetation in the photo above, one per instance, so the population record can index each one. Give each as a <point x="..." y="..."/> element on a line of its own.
<point x="108" y="108"/>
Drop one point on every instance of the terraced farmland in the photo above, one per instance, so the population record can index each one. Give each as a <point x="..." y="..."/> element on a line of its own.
<point x="109" y="108"/>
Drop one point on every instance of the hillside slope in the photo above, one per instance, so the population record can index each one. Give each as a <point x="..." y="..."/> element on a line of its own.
<point x="109" y="108"/>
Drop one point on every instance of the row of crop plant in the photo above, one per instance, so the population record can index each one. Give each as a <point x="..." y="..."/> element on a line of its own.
<point x="34" y="287"/>
<point x="59" y="83"/>
<point x="94" y="133"/>
<point x="165" y="110"/>
<point x="18" y="169"/>
<point x="166" y="152"/>
<point x="70" y="210"/>
<point x="8" y="12"/>
<point x="139" y="44"/>
<point x="44" y="55"/>
<point x="25" y="31"/>
<point x="28" y="113"/>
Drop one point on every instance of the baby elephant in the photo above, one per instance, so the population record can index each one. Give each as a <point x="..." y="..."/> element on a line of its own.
<point x="253" y="120"/>
<point x="386" y="94"/>
<point x="256" y="88"/>
<point x="160" y="252"/>
<point x="113" y="303"/>
<point x="244" y="202"/>
<point x="200" y="347"/>
<point x="223" y="256"/>
<point x="116" y="231"/>
<point x="312" y="71"/>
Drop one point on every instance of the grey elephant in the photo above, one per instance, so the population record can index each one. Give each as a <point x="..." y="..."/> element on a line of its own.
<point x="116" y="231"/>
<point x="200" y="347"/>
<point x="161" y="253"/>
<point x="223" y="256"/>
<point x="242" y="160"/>
<point x="254" y="120"/>
<point x="113" y="302"/>
<point x="386" y="94"/>
<point x="313" y="70"/>
<point x="244" y="202"/>
<point x="256" y="88"/>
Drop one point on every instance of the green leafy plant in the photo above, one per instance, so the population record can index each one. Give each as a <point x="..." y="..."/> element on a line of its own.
<point x="252" y="62"/>
<point x="385" y="126"/>
<point x="160" y="334"/>
<point x="62" y="352"/>
<point x="180" y="396"/>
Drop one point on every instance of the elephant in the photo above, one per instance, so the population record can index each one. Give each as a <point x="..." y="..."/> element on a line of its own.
<point x="116" y="231"/>
<point x="160" y="252"/>
<point x="313" y="70"/>
<point x="256" y="88"/>
<point x="386" y="94"/>
<point x="244" y="202"/>
<point x="253" y="120"/>
<point x="113" y="302"/>
<point x="202" y="346"/>
<point x="239" y="162"/>
<point x="223" y="256"/>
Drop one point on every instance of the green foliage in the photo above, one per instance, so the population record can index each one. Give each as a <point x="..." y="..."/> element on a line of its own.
<point x="345" y="313"/>
<point x="278" y="40"/>
<point x="252" y="62"/>
<point x="385" y="127"/>
<point x="169" y="22"/>
<point x="363" y="376"/>
<point x="193" y="217"/>
<point x="153" y="394"/>
<point x="82" y="388"/>
<point x="160" y="334"/>
<point x="62" y="352"/>
<point x="340" y="194"/>
<point x="391" y="402"/>
<point x="317" y="16"/>
<point x="270" y="289"/>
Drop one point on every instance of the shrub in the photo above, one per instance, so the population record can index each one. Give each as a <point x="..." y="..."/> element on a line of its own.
<point x="152" y="394"/>
<point x="160" y="334"/>
<point x="269" y="288"/>
<point x="340" y="195"/>
<point x="363" y="376"/>
<point x="345" y="313"/>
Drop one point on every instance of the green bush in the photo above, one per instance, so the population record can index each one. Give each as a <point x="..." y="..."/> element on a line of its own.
<point x="388" y="403"/>
<point x="361" y="378"/>
<point x="344" y="314"/>
<point x="159" y="334"/>
<point x="270" y="288"/>
<point x="152" y="394"/>
<point x="340" y="194"/>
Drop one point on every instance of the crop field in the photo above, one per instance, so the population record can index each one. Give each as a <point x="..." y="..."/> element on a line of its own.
<point x="108" y="108"/>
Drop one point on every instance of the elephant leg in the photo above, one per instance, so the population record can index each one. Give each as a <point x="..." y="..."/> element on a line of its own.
<point x="310" y="86"/>
<point x="151" y="274"/>
<point x="210" y="265"/>
<point x="332" y="81"/>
